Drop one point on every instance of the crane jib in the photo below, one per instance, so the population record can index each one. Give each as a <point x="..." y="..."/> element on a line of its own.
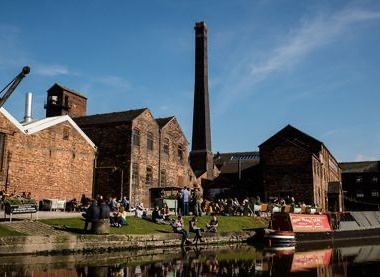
<point x="12" y="85"/>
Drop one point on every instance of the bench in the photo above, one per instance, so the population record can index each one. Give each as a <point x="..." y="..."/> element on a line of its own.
<point x="20" y="209"/>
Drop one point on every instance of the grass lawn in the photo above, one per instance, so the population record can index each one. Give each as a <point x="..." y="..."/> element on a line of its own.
<point x="142" y="226"/>
<point x="5" y="232"/>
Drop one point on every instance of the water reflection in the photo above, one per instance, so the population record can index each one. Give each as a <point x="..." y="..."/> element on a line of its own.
<point x="237" y="260"/>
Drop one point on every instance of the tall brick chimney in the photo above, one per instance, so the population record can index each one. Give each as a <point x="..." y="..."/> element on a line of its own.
<point x="201" y="157"/>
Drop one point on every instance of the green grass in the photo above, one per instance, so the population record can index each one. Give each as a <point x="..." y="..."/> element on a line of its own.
<point x="142" y="226"/>
<point x="5" y="232"/>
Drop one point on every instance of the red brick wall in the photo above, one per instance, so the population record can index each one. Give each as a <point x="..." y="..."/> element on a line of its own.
<point x="288" y="167"/>
<point x="46" y="164"/>
<point x="178" y="172"/>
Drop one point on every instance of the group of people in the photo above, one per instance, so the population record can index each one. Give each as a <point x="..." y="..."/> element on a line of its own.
<point x="190" y="201"/>
<point x="231" y="206"/>
<point x="179" y="227"/>
<point x="112" y="212"/>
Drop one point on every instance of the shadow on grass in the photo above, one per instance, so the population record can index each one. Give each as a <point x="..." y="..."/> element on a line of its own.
<point x="69" y="229"/>
<point x="164" y="231"/>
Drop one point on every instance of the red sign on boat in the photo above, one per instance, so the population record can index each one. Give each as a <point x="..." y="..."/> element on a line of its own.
<point x="309" y="223"/>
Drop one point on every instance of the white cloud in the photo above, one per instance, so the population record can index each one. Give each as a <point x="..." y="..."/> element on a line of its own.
<point x="310" y="36"/>
<point x="50" y="70"/>
<point x="114" y="81"/>
<point x="297" y="44"/>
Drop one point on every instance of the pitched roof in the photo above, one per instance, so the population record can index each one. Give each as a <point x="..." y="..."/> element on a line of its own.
<point x="163" y="121"/>
<point x="39" y="125"/>
<point x="297" y="136"/>
<point x="67" y="89"/>
<point x="125" y="116"/>
<point x="229" y="162"/>
<point x="359" y="167"/>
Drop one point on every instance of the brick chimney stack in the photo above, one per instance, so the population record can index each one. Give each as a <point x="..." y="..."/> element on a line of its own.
<point x="201" y="157"/>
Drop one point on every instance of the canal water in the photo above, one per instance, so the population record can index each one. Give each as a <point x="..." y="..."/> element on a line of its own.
<point x="234" y="260"/>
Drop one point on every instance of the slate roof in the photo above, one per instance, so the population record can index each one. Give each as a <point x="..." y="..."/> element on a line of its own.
<point x="295" y="135"/>
<point x="115" y="117"/>
<point x="163" y="121"/>
<point x="228" y="163"/>
<point x="67" y="89"/>
<point x="359" y="167"/>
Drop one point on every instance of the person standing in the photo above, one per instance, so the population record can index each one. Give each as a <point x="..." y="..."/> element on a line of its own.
<point x="91" y="215"/>
<point x="198" y="203"/>
<point x="185" y="200"/>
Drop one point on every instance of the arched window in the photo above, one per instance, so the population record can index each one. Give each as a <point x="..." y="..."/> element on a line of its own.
<point x="149" y="176"/>
<point x="149" y="141"/>
<point x="166" y="147"/>
<point x="180" y="153"/>
<point x="136" y="137"/>
<point x="163" y="178"/>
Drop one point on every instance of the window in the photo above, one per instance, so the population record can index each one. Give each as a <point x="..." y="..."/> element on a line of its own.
<point x="66" y="133"/>
<point x="135" y="174"/>
<point x="149" y="176"/>
<point x="359" y="179"/>
<point x="166" y="147"/>
<point x="163" y="178"/>
<point x="180" y="153"/>
<point x="375" y="193"/>
<point x="149" y="141"/>
<point x="359" y="194"/>
<point x="2" y="144"/>
<point x="136" y="137"/>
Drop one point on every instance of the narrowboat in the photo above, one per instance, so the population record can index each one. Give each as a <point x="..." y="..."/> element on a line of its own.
<point x="291" y="228"/>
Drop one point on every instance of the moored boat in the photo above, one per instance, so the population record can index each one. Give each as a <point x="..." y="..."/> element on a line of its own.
<point x="304" y="228"/>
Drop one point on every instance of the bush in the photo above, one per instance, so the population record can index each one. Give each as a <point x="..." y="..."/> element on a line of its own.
<point x="19" y="201"/>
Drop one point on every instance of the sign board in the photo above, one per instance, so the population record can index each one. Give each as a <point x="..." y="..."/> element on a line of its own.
<point x="310" y="223"/>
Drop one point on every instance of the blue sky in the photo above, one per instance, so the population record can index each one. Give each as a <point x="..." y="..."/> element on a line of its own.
<point x="312" y="64"/>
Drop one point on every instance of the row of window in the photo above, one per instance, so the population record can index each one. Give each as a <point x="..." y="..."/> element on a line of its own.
<point x="374" y="193"/>
<point x="148" y="176"/>
<point x="359" y="179"/>
<point x="150" y="143"/>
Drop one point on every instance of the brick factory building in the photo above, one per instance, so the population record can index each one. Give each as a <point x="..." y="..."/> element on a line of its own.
<point x="296" y="164"/>
<point x="49" y="158"/>
<point x="137" y="154"/>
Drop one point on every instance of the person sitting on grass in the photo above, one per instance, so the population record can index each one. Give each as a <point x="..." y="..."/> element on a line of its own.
<point x="120" y="218"/>
<point x="157" y="217"/>
<point x="193" y="228"/>
<point x="178" y="228"/>
<point x="212" y="226"/>
<point x="166" y="212"/>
